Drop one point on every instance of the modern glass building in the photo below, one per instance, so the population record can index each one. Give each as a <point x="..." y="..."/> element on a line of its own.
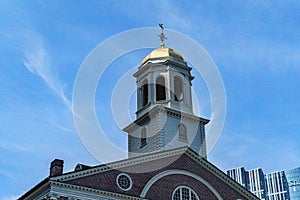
<point x="257" y="183"/>
<point x="239" y="175"/>
<point x="277" y="186"/>
<point x="280" y="185"/>
<point x="293" y="179"/>
<point x="253" y="180"/>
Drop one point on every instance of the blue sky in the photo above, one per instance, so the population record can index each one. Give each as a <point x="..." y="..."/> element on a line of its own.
<point x="255" y="44"/>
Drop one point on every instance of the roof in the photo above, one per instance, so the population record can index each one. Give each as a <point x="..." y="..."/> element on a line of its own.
<point x="152" y="172"/>
<point x="40" y="185"/>
<point x="165" y="52"/>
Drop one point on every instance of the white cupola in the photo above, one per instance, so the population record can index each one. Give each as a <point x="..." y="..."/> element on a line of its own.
<point x="164" y="116"/>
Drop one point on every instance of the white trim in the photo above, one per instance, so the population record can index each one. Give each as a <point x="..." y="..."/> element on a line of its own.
<point x="224" y="177"/>
<point x="120" y="164"/>
<point x="181" y="172"/>
<point x="156" y="156"/>
<point x="86" y="193"/>
<point x="190" y="192"/>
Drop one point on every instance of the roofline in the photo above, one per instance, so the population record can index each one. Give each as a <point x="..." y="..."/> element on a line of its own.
<point x="96" y="191"/>
<point x="236" y="168"/>
<point x="155" y="156"/>
<point x="43" y="184"/>
<point x="163" y="61"/>
<point x="219" y="173"/>
<point x="141" y="159"/>
<point x="120" y="164"/>
<point x="47" y="183"/>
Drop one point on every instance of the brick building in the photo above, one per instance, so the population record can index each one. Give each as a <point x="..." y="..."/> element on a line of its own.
<point x="166" y="147"/>
<point x="189" y="176"/>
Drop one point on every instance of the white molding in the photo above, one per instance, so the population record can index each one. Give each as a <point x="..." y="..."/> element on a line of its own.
<point x="166" y="111"/>
<point x="120" y="164"/>
<point x="39" y="193"/>
<point x="86" y="193"/>
<point x="176" y="172"/>
<point x="220" y="174"/>
<point x="155" y="156"/>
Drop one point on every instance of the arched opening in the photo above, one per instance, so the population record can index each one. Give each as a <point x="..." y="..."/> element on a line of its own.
<point x="145" y="92"/>
<point x="178" y="89"/>
<point x="143" y="137"/>
<point x="160" y="88"/>
<point x="182" y="134"/>
<point x="176" y="172"/>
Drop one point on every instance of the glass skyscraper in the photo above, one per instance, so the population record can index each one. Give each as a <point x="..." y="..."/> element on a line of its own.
<point x="253" y="180"/>
<point x="257" y="182"/>
<point x="239" y="175"/>
<point x="293" y="179"/>
<point x="272" y="186"/>
<point x="277" y="186"/>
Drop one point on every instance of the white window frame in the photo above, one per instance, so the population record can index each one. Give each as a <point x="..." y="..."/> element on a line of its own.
<point x="130" y="180"/>
<point x="190" y="192"/>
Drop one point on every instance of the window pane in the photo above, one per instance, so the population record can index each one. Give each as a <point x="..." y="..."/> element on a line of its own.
<point x="176" y="195"/>
<point x="193" y="196"/>
<point x="185" y="194"/>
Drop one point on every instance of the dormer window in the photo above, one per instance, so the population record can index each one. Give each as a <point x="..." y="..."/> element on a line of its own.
<point x="160" y="88"/>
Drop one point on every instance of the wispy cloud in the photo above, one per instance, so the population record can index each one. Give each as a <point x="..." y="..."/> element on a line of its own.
<point x="8" y="145"/>
<point x="37" y="61"/>
<point x="10" y="197"/>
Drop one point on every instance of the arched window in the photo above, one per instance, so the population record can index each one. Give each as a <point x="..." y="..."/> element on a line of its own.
<point x="145" y="92"/>
<point x="160" y="88"/>
<point x="143" y="137"/>
<point x="184" y="193"/>
<point x="182" y="135"/>
<point x="178" y="89"/>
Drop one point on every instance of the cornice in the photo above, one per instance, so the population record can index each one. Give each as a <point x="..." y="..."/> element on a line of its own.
<point x="162" y="61"/>
<point x="167" y="111"/>
<point x="95" y="191"/>
<point x="119" y="164"/>
<point x="41" y="187"/>
<point x="146" y="158"/>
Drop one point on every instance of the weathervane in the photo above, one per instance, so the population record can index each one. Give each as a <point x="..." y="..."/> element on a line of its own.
<point x="162" y="36"/>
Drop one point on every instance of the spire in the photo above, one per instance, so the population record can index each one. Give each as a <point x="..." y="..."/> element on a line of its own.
<point x="162" y="36"/>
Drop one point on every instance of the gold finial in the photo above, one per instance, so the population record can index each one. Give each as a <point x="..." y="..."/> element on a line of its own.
<point x="162" y="36"/>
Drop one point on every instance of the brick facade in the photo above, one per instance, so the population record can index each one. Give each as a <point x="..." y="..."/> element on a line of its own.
<point x="165" y="171"/>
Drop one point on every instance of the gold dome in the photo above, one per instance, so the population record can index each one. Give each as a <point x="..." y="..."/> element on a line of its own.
<point x="165" y="52"/>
